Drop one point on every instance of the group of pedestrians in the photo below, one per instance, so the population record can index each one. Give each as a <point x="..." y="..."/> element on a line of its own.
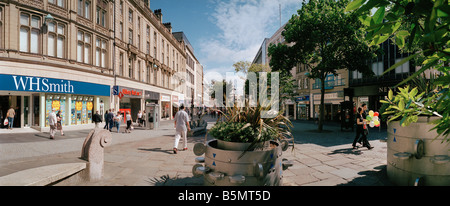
<point x="54" y="121"/>
<point x="111" y="120"/>
<point x="114" y="120"/>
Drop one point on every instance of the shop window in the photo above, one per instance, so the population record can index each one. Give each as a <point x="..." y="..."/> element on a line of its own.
<point x="57" y="102"/>
<point x="82" y="110"/>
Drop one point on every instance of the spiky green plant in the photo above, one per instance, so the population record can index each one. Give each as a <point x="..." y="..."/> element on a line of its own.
<point x="245" y="124"/>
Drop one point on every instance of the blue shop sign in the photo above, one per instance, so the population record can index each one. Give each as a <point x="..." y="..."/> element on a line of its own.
<point x="49" y="85"/>
<point x="304" y="98"/>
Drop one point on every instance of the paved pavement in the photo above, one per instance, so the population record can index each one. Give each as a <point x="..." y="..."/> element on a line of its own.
<point x="145" y="158"/>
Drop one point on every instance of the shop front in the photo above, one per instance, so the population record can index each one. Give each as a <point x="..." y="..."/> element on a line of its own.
<point x="175" y="105"/>
<point x="166" y="106"/>
<point x="303" y="107"/>
<point x="332" y="105"/>
<point x="34" y="98"/>
<point x="130" y="101"/>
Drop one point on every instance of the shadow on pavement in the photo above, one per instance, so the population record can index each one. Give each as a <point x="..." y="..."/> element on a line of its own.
<point x="305" y="132"/>
<point x="376" y="177"/>
<point x="346" y="151"/>
<point x="166" y="180"/>
<point x="156" y="150"/>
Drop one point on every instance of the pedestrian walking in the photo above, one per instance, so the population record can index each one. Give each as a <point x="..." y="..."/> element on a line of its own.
<point x="96" y="118"/>
<point x="181" y="128"/>
<point x="361" y="129"/>
<point x="10" y="114"/>
<point x="144" y="117"/>
<point x="58" y="122"/>
<point x="110" y="119"/>
<point x="105" y="117"/>
<point x="117" y="120"/>
<point x="139" y="115"/>
<point x="52" y="123"/>
<point x="129" y="122"/>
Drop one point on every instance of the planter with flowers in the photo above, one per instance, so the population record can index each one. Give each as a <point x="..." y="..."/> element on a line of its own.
<point x="247" y="149"/>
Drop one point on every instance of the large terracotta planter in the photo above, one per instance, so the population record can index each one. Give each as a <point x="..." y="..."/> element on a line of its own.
<point x="415" y="157"/>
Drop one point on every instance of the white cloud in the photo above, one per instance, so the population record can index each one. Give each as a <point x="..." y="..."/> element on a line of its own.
<point x="243" y="25"/>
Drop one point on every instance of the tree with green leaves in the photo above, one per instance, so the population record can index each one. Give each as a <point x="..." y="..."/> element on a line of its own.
<point x="286" y="80"/>
<point x="420" y="27"/>
<point x="326" y="39"/>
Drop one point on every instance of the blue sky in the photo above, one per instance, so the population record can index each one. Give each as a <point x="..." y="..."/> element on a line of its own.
<point x="227" y="31"/>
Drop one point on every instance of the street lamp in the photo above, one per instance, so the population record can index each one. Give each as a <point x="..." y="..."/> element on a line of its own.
<point x="47" y="19"/>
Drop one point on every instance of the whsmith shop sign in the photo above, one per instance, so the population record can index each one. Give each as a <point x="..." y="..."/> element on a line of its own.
<point x="49" y="85"/>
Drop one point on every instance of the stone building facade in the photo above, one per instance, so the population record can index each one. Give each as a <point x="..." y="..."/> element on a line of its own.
<point x="83" y="56"/>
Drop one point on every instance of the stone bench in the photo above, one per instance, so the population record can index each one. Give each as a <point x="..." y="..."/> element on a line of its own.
<point x="42" y="176"/>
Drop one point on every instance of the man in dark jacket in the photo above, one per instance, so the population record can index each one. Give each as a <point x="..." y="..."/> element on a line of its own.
<point x="96" y="118"/>
<point x="110" y="118"/>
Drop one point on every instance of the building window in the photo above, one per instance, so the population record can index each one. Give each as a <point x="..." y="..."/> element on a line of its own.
<point x="1" y="28"/>
<point x="155" y="76"/>
<point x="377" y="68"/>
<point x="29" y="33"/>
<point x="139" y="41"/>
<point x="101" y="16"/>
<point x="163" y="78"/>
<point x="139" y="23"/>
<point x="56" y="39"/>
<point x="121" y="64"/>
<point x="357" y="75"/>
<point x="59" y="3"/>
<point x="121" y="7"/>
<point x="148" y="48"/>
<point x="404" y="68"/>
<point x="130" y="68"/>
<point x="121" y="31"/>
<point x="148" y="74"/>
<point x="84" y="8"/>
<point x="130" y="16"/>
<point x="84" y="47"/>
<point x="130" y="36"/>
<point x="100" y="52"/>
<point x="139" y="70"/>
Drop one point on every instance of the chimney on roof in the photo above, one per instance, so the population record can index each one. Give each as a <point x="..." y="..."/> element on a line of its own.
<point x="168" y="25"/>
<point x="158" y="14"/>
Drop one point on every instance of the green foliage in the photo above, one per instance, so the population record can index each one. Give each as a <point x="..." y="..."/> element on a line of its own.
<point x="245" y="124"/>
<point x="233" y="132"/>
<point x="424" y="30"/>
<point x="324" y="38"/>
<point x="405" y="106"/>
